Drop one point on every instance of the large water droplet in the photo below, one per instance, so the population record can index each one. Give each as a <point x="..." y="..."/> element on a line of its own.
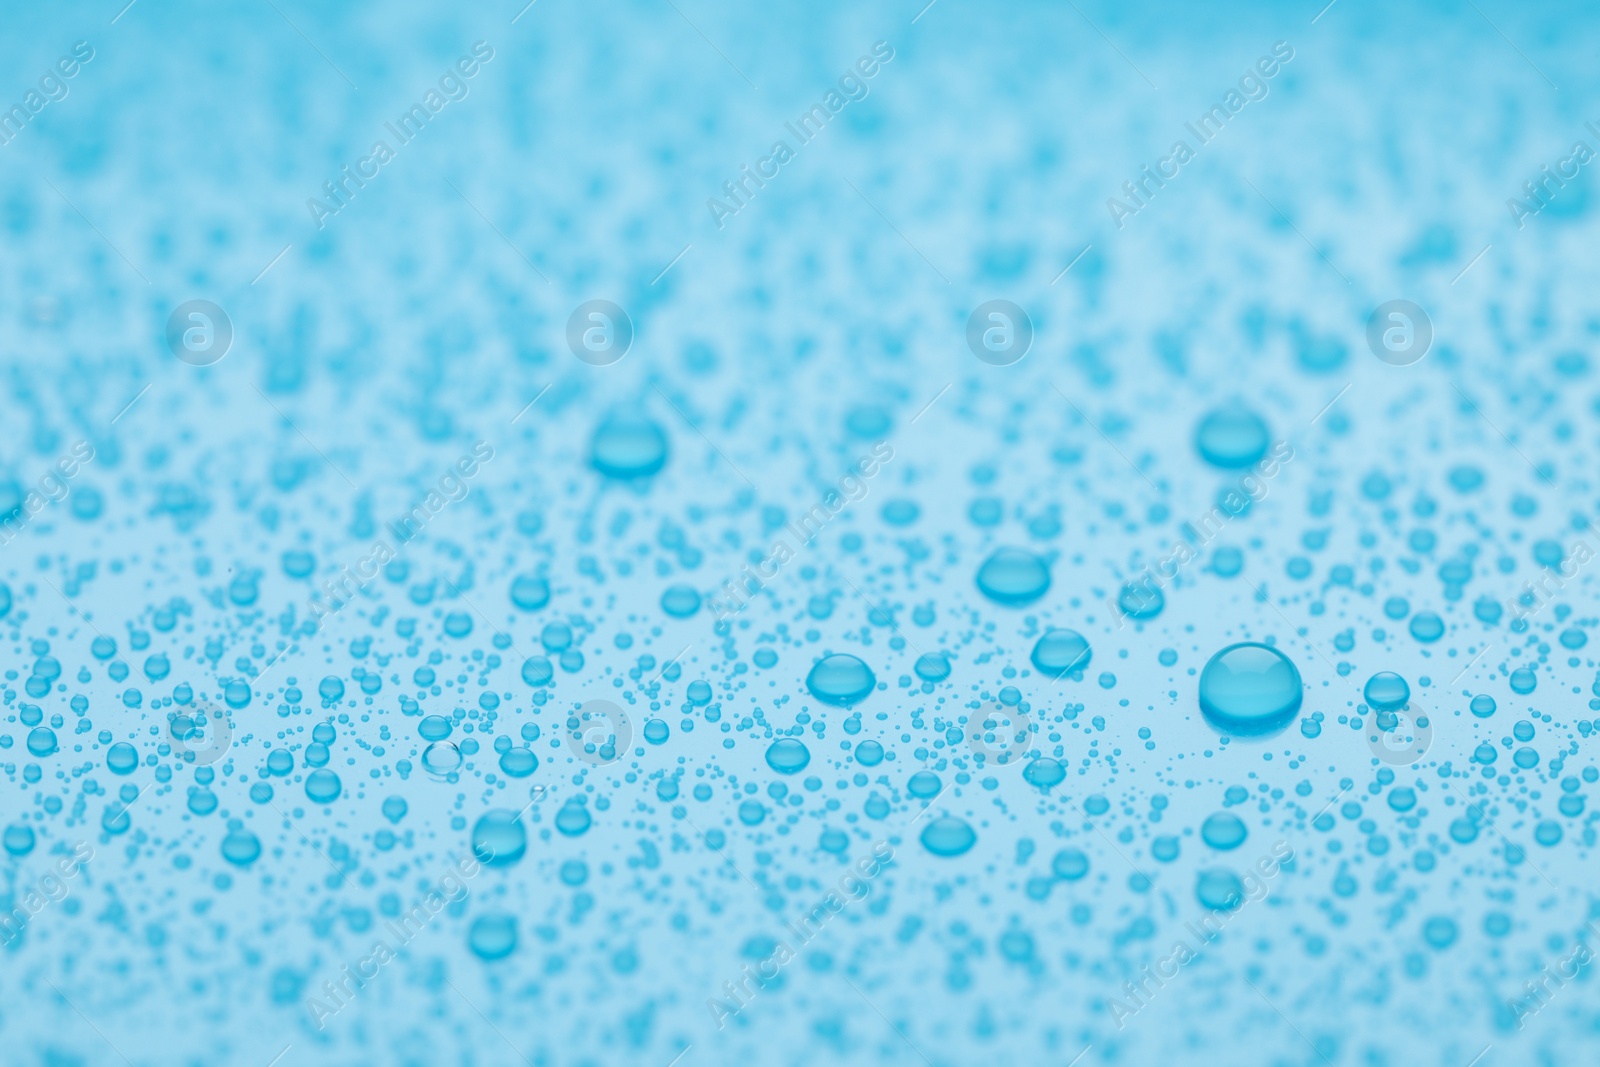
<point x="1013" y="577"/>
<point x="628" y="446"/>
<point x="1220" y="890"/>
<point x="1224" y="831"/>
<point x="680" y="601"/>
<point x="492" y="936"/>
<point x="1386" y="691"/>
<point x="840" y="679"/>
<point x="1141" y="600"/>
<point x="1250" y="690"/>
<point x="1231" y="438"/>
<point x="1061" y="652"/>
<point x="948" y="836"/>
<point x="323" y="786"/>
<point x="241" y="847"/>
<point x="529" y="593"/>
<point x="788" y="756"/>
<point x="1044" y="772"/>
<point x="499" y="838"/>
<point x="441" y="758"/>
<point x="19" y="839"/>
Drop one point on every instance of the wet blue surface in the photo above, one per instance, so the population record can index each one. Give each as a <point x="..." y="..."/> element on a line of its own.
<point x="684" y="533"/>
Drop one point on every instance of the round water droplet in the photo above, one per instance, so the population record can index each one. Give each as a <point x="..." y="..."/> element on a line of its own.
<point x="18" y="839"/>
<point x="932" y="666"/>
<point x="788" y="756"/>
<point x="498" y="838"/>
<point x="529" y="593"/>
<point x="1070" y="864"/>
<point x="241" y="847"/>
<point x="1044" y="772"/>
<point x="1250" y="690"/>
<point x="1013" y="577"/>
<point x="323" y="786"/>
<point x="840" y="679"/>
<point x="680" y="601"/>
<point x="441" y="758"/>
<point x="492" y="936"/>
<point x="1061" y="652"/>
<point x="518" y="762"/>
<point x="41" y="741"/>
<point x="1223" y="831"/>
<point x="122" y="758"/>
<point x="1386" y="691"/>
<point x="1219" y="890"/>
<point x="1231" y="438"/>
<point x="628" y="446"/>
<point x="948" y="836"/>
<point x="1141" y="600"/>
<point x="537" y="670"/>
<point x="1439" y="932"/>
<point x="573" y="819"/>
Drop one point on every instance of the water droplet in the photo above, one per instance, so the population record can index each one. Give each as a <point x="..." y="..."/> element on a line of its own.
<point x="1070" y="864"/>
<point x="498" y="838"/>
<point x="932" y="666"/>
<point x="1250" y="690"/>
<point x="1223" y="830"/>
<point x="948" y="836"/>
<point x="1219" y="890"/>
<point x="18" y="840"/>
<point x="841" y="680"/>
<point x="1061" y="652"/>
<point x="628" y="446"/>
<point x="441" y="758"/>
<point x="492" y="936"/>
<point x="529" y="593"/>
<point x="788" y="756"/>
<point x="1386" y="691"/>
<point x="1141" y="600"/>
<point x="680" y="601"/>
<point x="1013" y="577"/>
<point x="1044" y="772"/>
<point x="323" y="786"/>
<point x="1231" y="438"/>
<point x="241" y="847"/>
<point x="573" y="819"/>
<point x="41" y="741"/>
